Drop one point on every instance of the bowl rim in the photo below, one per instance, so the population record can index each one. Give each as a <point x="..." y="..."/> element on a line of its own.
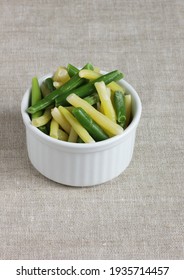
<point x="83" y="146"/>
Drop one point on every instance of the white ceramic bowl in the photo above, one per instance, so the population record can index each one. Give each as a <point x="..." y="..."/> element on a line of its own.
<point x="79" y="164"/>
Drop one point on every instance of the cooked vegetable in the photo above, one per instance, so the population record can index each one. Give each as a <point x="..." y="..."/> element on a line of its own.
<point x="56" y="132"/>
<point x="89" y="106"/>
<point x="98" y="117"/>
<point x="35" y="96"/>
<point x="128" y="105"/>
<point x="115" y="87"/>
<point x="44" y="119"/>
<point x="119" y="104"/>
<point x="80" y="130"/>
<point x="44" y="129"/>
<point x="91" y="75"/>
<point x="92" y="99"/>
<point x="69" y="108"/>
<point x="73" y="83"/>
<point x="87" y="122"/>
<point x="58" y="116"/>
<point x="61" y="75"/>
<point x="88" y="88"/>
<point x="79" y="140"/>
<point x="62" y="135"/>
<point x="54" y="126"/>
<point x="72" y="70"/>
<point x="72" y="136"/>
<point x="105" y="101"/>
<point x="57" y="84"/>
<point x="49" y="84"/>
<point x="45" y="91"/>
<point x="89" y="66"/>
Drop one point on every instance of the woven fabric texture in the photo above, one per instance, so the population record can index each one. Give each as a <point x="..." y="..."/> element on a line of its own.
<point x="138" y="215"/>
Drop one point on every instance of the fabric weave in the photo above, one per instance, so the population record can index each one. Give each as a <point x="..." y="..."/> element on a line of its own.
<point x="138" y="215"/>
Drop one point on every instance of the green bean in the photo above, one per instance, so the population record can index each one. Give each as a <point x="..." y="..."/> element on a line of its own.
<point x="72" y="70"/>
<point x="92" y="99"/>
<point x="87" y="122"/>
<point x="49" y="84"/>
<point x="44" y="119"/>
<point x="44" y="129"/>
<point x="73" y="83"/>
<point x="119" y="104"/>
<point x="45" y="91"/>
<point x="79" y="140"/>
<point x="88" y="88"/>
<point x="35" y="96"/>
<point x="89" y="66"/>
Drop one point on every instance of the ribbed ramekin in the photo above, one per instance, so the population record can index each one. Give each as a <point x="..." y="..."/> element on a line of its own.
<point x="79" y="164"/>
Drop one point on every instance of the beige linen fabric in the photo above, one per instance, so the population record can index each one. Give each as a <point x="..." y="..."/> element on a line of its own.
<point x="138" y="215"/>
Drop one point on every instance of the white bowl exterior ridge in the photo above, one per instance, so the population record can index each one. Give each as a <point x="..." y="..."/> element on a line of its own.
<point x="80" y="169"/>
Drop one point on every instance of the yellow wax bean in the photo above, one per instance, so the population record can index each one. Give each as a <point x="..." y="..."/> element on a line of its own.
<point x="72" y="136"/>
<point x="105" y="101"/>
<point x="54" y="126"/>
<point x="57" y="84"/>
<point x="98" y="117"/>
<point x="109" y="93"/>
<point x="56" y="132"/>
<point x="44" y="119"/>
<point x="116" y="87"/>
<point x="58" y="116"/>
<point x="80" y="130"/>
<point x="92" y="75"/>
<point x="62" y="135"/>
<point x="89" y="74"/>
<point x="100" y="108"/>
<point x="61" y="75"/>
